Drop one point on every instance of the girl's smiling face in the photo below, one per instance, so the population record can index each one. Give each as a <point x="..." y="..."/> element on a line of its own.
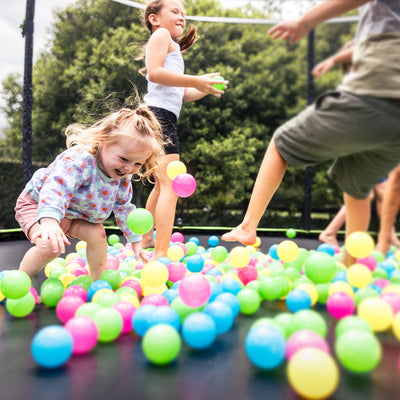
<point x="125" y="156"/>
<point x="171" y="17"/>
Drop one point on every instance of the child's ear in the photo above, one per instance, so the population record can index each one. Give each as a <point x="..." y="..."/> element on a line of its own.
<point x="153" y="20"/>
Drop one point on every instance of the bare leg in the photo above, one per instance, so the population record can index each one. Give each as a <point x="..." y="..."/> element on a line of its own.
<point x="96" y="251"/>
<point x="358" y="213"/>
<point x="151" y="204"/>
<point x="270" y="175"/>
<point x="330" y="232"/>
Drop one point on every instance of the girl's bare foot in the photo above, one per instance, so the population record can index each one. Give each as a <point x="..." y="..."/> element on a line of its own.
<point x="148" y="243"/>
<point x="328" y="238"/>
<point x="239" y="234"/>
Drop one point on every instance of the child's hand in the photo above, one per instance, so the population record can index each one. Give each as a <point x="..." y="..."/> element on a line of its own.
<point x="139" y="252"/>
<point x="323" y="67"/>
<point x="294" y="29"/>
<point x="205" y="84"/>
<point x="50" y="233"/>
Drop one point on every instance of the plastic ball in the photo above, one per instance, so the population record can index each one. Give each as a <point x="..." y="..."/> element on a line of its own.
<point x="222" y="315"/>
<point x="377" y="313"/>
<point x="249" y="301"/>
<point x="15" y="284"/>
<point x="194" y="290"/>
<point x="22" y="306"/>
<point x="126" y="310"/>
<point x="213" y="241"/>
<point x="76" y="291"/>
<point x="359" y="244"/>
<point x="154" y="274"/>
<point x="175" y="253"/>
<point x="141" y="319"/>
<point x="52" y="346"/>
<point x="161" y="344"/>
<point x="302" y="339"/>
<point x="219" y="86"/>
<point x="358" y="351"/>
<point x="359" y="275"/>
<point x="51" y="291"/>
<point x="269" y="289"/>
<point x="165" y="315"/>
<point x="155" y="299"/>
<point x="248" y="274"/>
<point x="287" y="251"/>
<point x="112" y="262"/>
<point x="304" y="368"/>
<point x="113" y="239"/>
<point x="231" y="285"/>
<point x="199" y="330"/>
<point x="239" y="256"/>
<point x="96" y="286"/>
<point x="194" y="263"/>
<point x="340" y="305"/>
<point x="184" y="185"/>
<point x="113" y="277"/>
<point x="84" y="333"/>
<point x="219" y="253"/>
<point x="298" y="299"/>
<point x="291" y="233"/>
<point x="67" y="307"/>
<point x="231" y="300"/>
<point x="310" y="320"/>
<point x="174" y="168"/>
<point x="265" y="346"/>
<point x="320" y="267"/>
<point x="352" y="323"/>
<point x="140" y="221"/>
<point x="396" y="326"/>
<point x="109" y="322"/>
<point x="88" y="309"/>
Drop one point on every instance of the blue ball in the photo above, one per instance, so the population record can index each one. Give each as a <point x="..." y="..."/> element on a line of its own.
<point x="170" y="294"/>
<point x="298" y="299"/>
<point x="326" y="248"/>
<point x="213" y="241"/>
<point x="265" y="346"/>
<point x="214" y="272"/>
<point x="165" y="315"/>
<point x="52" y="346"/>
<point x="222" y="315"/>
<point x="231" y="285"/>
<point x="164" y="260"/>
<point x="199" y="330"/>
<point x="141" y="319"/>
<point x="231" y="300"/>
<point x="194" y="239"/>
<point x="215" y="291"/>
<point x="340" y="276"/>
<point x="273" y="252"/>
<point x="194" y="263"/>
<point x="96" y="286"/>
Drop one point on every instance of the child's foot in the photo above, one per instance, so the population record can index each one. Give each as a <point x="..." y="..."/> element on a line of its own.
<point x="328" y="238"/>
<point x="148" y="243"/>
<point x="241" y="235"/>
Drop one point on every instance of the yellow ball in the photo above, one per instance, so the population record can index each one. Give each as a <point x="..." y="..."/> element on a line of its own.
<point x="175" y="252"/>
<point x="175" y="168"/>
<point x="251" y="249"/>
<point x="66" y="279"/>
<point x="287" y="250"/>
<point x="49" y="266"/>
<point x="2" y="297"/>
<point x="99" y="293"/>
<point x="313" y="373"/>
<point x="147" y="290"/>
<point x="359" y="275"/>
<point x="70" y="256"/>
<point x="340" y="286"/>
<point x="377" y="312"/>
<point x="392" y="287"/>
<point x="359" y="244"/>
<point x="130" y="298"/>
<point x="80" y="245"/>
<point x="397" y="255"/>
<point x="257" y="243"/>
<point x="239" y="257"/>
<point x="311" y="290"/>
<point x="154" y="274"/>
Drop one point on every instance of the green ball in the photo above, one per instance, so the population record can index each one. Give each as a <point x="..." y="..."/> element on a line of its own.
<point x="310" y="320"/>
<point x="21" y="307"/>
<point x="109" y="322"/>
<point x="140" y="221"/>
<point x="15" y="284"/>
<point x="364" y="293"/>
<point x="358" y="351"/>
<point x="112" y="277"/>
<point x="320" y="267"/>
<point x="182" y="309"/>
<point x="352" y="323"/>
<point x="108" y="299"/>
<point x="219" y="86"/>
<point x="161" y="344"/>
<point x="323" y="292"/>
<point x="88" y="309"/>
<point x="51" y="291"/>
<point x="191" y="248"/>
<point x="269" y="289"/>
<point x="291" y="233"/>
<point x="219" y="253"/>
<point x="285" y="322"/>
<point x="83" y="280"/>
<point x="113" y="239"/>
<point x="249" y="301"/>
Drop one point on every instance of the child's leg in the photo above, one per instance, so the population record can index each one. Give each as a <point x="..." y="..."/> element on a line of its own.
<point x="36" y="258"/>
<point x="96" y="251"/>
<point x="330" y="232"/>
<point x="358" y="213"/>
<point x="151" y="204"/>
<point x="165" y="210"/>
<point x="270" y="175"/>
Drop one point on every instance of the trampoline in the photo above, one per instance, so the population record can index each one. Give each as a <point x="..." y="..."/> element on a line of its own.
<point x="119" y="370"/>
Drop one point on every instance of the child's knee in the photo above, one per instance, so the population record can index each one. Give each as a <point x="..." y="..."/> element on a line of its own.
<point x="96" y="233"/>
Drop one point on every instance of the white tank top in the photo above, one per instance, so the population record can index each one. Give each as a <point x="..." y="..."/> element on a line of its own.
<point x="168" y="97"/>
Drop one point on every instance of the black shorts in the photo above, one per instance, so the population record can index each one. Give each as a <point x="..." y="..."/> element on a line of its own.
<point x="169" y="126"/>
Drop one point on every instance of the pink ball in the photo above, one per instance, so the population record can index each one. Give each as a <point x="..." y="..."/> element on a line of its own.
<point x="194" y="290"/>
<point x="67" y="307"/>
<point x="176" y="271"/>
<point x="126" y="311"/>
<point x="340" y="305"/>
<point x="304" y="338"/>
<point x="112" y="262"/>
<point x="247" y="274"/>
<point x="177" y="237"/>
<point x="183" y="246"/>
<point x="77" y="260"/>
<point x="155" y="300"/>
<point x="134" y="284"/>
<point x="393" y="299"/>
<point x="140" y="264"/>
<point x="76" y="291"/>
<point x="34" y="294"/>
<point x="369" y="261"/>
<point x="207" y="267"/>
<point x="78" y="271"/>
<point x="184" y="185"/>
<point x="381" y="282"/>
<point x="84" y="332"/>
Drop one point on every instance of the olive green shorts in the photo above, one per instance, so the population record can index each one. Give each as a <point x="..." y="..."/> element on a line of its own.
<point x="360" y="133"/>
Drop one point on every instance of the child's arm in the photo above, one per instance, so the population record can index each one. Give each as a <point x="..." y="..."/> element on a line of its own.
<point x="299" y="28"/>
<point x="192" y="94"/>
<point x="157" y="50"/>
<point x="341" y="57"/>
<point x="51" y="232"/>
